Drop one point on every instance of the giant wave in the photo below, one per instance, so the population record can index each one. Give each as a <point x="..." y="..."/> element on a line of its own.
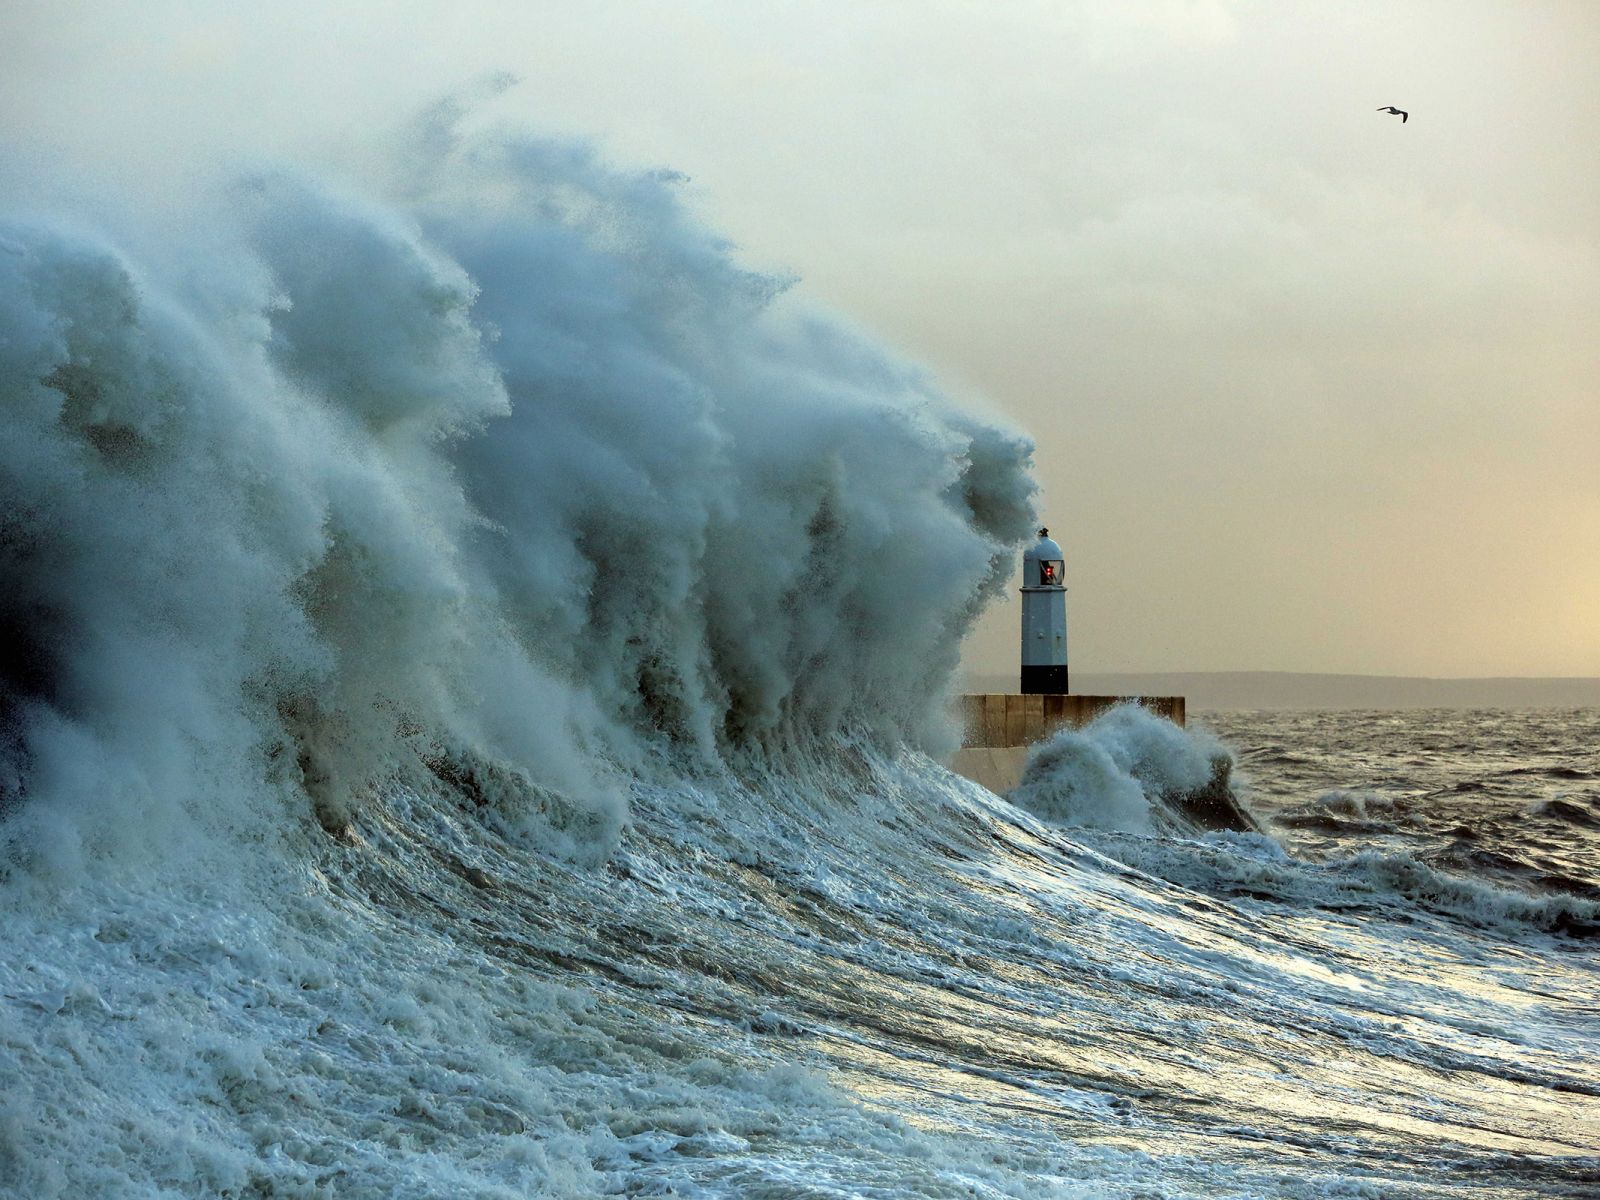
<point x="516" y="468"/>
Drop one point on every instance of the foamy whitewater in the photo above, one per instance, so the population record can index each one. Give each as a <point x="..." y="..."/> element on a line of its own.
<point x="474" y="661"/>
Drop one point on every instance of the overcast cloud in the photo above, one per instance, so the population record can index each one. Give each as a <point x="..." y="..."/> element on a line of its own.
<point x="1312" y="389"/>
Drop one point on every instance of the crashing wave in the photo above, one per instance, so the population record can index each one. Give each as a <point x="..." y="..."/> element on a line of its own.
<point x="516" y="473"/>
<point x="1133" y="772"/>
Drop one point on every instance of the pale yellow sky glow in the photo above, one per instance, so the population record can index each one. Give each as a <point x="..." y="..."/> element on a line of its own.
<point x="1312" y="389"/>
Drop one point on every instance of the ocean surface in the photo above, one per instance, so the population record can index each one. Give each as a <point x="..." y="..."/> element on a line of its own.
<point x="853" y="974"/>
<point x="474" y="669"/>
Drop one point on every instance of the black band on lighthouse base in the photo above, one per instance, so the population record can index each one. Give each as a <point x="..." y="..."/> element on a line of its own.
<point x="1050" y="681"/>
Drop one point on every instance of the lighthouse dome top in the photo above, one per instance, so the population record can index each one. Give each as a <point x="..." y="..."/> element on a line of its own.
<point x="1042" y="566"/>
<point x="1045" y="548"/>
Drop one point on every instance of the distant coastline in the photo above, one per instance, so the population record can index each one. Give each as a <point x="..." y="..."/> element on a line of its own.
<point x="1290" y="690"/>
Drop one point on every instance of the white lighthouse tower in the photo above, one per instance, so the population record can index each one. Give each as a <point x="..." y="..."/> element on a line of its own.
<point x="1044" y="618"/>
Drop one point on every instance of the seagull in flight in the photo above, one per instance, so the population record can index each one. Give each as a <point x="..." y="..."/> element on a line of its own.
<point x="1399" y="112"/>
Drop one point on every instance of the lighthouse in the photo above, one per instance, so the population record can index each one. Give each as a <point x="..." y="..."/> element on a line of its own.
<point x="1044" y="618"/>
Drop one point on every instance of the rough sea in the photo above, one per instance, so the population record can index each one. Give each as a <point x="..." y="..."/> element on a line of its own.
<point x="475" y="665"/>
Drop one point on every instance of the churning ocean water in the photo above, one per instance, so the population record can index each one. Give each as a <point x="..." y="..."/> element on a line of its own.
<point x="474" y="666"/>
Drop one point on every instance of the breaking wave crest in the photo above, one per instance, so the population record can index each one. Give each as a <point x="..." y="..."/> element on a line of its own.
<point x="511" y="475"/>
<point x="1131" y="772"/>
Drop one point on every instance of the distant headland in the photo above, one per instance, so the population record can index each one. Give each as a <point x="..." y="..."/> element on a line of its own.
<point x="1287" y="689"/>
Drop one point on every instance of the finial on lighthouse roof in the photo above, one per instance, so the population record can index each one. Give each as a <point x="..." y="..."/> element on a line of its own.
<point x="1044" y="531"/>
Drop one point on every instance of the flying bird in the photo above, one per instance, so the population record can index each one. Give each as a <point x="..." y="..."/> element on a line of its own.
<point x="1399" y="112"/>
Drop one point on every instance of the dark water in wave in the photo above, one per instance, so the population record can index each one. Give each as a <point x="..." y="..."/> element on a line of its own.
<point x="1509" y="796"/>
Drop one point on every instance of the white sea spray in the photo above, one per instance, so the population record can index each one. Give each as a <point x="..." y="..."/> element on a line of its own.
<point x="1114" y="772"/>
<point x="517" y="471"/>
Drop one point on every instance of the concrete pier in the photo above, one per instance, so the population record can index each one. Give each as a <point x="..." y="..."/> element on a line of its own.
<point x="999" y="727"/>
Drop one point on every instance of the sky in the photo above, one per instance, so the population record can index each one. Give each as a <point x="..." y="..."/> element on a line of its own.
<point x="1312" y="389"/>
